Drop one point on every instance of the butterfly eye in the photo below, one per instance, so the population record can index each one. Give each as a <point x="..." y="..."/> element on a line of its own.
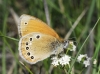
<point x="28" y="53"/>
<point x="30" y="39"/>
<point x="38" y="36"/>
<point x="32" y="57"/>
<point x="27" y="48"/>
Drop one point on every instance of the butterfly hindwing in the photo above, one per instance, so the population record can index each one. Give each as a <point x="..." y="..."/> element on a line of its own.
<point x="35" y="47"/>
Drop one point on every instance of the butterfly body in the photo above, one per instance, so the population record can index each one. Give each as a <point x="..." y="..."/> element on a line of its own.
<point x="37" y="40"/>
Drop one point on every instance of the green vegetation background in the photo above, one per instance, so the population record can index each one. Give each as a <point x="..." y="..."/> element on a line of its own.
<point x="63" y="14"/>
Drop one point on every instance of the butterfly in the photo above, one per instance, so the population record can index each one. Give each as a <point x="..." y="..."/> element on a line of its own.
<point x="37" y="40"/>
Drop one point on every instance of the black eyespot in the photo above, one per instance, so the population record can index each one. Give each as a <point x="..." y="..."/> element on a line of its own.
<point x="25" y="22"/>
<point x="28" y="53"/>
<point x="30" y="39"/>
<point x="37" y="36"/>
<point x="26" y="43"/>
<point x="32" y="57"/>
<point x="27" y="48"/>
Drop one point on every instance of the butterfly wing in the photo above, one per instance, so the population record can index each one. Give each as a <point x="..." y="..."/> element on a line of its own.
<point x="29" y="24"/>
<point x="35" y="47"/>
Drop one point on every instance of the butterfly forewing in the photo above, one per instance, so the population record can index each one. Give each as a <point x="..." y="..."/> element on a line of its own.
<point x="29" y="24"/>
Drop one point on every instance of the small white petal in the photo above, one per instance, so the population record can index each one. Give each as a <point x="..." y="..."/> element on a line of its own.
<point x="74" y="48"/>
<point x="55" y="63"/>
<point x="54" y="58"/>
<point x="65" y="59"/>
<point x="95" y="61"/>
<point x="71" y="42"/>
<point x="87" y="62"/>
<point x="88" y="58"/>
<point x="80" y="57"/>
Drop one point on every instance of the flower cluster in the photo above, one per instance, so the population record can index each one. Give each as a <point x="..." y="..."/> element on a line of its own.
<point x="65" y="59"/>
<point x="85" y="59"/>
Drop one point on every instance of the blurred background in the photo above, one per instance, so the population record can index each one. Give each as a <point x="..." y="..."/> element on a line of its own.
<point x="61" y="15"/>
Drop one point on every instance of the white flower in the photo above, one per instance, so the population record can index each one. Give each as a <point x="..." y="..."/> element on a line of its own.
<point x="81" y="56"/>
<point x="73" y="46"/>
<point x="95" y="61"/>
<point x="87" y="62"/>
<point x="55" y="62"/>
<point x="65" y="59"/>
<point x="54" y="58"/>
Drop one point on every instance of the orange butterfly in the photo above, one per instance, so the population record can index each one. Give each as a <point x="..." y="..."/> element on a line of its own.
<point x="37" y="40"/>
